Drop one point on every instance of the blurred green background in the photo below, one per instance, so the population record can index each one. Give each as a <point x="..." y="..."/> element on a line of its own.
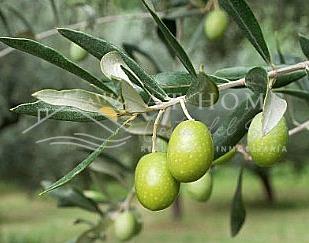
<point x="25" y="217"/>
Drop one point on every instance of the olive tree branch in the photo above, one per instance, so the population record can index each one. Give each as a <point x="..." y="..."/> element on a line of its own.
<point x="271" y="74"/>
<point x="299" y="128"/>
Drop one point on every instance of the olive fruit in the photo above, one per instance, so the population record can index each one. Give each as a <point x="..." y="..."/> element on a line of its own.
<point x="268" y="149"/>
<point x="190" y="151"/>
<point x="215" y="24"/>
<point x="200" y="190"/>
<point x="125" y="226"/>
<point x="155" y="187"/>
<point x="77" y="53"/>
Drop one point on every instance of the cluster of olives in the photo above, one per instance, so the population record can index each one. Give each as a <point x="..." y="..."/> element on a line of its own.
<point x="189" y="155"/>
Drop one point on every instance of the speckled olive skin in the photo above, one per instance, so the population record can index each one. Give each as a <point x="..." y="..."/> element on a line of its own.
<point x="77" y="53"/>
<point x="270" y="149"/>
<point x="190" y="151"/>
<point x="201" y="189"/>
<point x="216" y="23"/>
<point x="125" y="226"/>
<point x="155" y="187"/>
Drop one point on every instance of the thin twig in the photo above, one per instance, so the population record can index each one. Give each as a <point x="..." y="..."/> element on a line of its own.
<point x="155" y="128"/>
<point x="299" y="128"/>
<point x="184" y="108"/>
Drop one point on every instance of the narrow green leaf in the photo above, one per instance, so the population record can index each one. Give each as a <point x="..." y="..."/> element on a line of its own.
<point x="82" y="166"/>
<point x="98" y="48"/>
<point x="273" y="110"/>
<point x="204" y="92"/>
<point x="44" y="110"/>
<point x="304" y="44"/>
<point x="5" y="22"/>
<point x="238" y="211"/>
<point x="179" y="51"/>
<point x="257" y="79"/>
<point x="54" y="57"/>
<point x="244" y="17"/>
<point x="172" y="27"/>
<point x="81" y="99"/>
<point x="302" y="94"/>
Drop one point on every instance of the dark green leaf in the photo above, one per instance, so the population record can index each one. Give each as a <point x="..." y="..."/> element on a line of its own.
<point x="172" y="27"/>
<point x="204" y="92"/>
<point x="302" y="94"/>
<point x="54" y="57"/>
<point x="99" y="48"/>
<point x="171" y="40"/>
<point x="72" y="197"/>
<point x="244" y="17"/>
<point x="234" y="127"/>
<point x="304" y="43"/>
<point x="238" y="211"/>
<point x="82" y="166"/>
<point x="46" y="111"/>
<point x="273" y="110"/>
<point x="5" y="22"/>
<point x="257" y="79"/>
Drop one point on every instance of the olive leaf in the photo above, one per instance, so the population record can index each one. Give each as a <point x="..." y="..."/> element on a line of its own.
<point x="133" y="102"/>
<point x="98" y="48"/>
<point x="273" y="110"/>
<point x="63" y="113"/>
<point x="111" y="66"/>
<point x="81" y="99"/>
<point x="50" y="55"/>
<point x="302" y="94"/>
<point x="238" y="211"/>
<point x="172" y="27"/>
<point x="244" y="17"/>
<point x="172" y="41"/>
<point x="257" y="79"/>
<point x="204" y="92"/>
<point x="304" y="43"/>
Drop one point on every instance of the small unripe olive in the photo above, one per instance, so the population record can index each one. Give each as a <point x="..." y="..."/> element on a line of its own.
<point x="190" y="151"/>
<point x="268" y="149"/>
<point x="125" y="226"/>
<point x="155" y="187"/>
<point x="77" y="53"/>
<point x="216" y="23"/>
<point x="200" y="190"/>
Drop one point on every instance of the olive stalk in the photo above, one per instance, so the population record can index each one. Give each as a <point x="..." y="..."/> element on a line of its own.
<point x="184" y="108"/>
<point x="271" y="74"/>
<point x="154" y="131"/>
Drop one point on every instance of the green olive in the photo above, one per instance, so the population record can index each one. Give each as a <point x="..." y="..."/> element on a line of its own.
<point x="190" y="151"/>
<point x="77" y="53"/>
<point x="125" y="226"/>
<point x="268" y="149"/>
<point x="155" y="187"/>
<point x="200" y="190"/>
<point x="216" y="23"/>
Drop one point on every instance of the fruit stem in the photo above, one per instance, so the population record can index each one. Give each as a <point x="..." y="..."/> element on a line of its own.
<point x="154" y="131"/>
<point x="184" y="108"/>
